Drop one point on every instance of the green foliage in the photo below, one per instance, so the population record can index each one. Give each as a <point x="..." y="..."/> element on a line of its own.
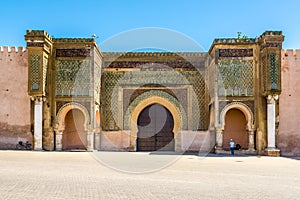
<point x="242" y="37"/>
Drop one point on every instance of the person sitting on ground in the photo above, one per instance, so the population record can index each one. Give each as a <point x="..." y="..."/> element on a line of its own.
<point x="238" y="147"/>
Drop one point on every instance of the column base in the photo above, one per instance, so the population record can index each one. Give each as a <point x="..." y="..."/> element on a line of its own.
<point x="217" y="148"/>
<point x="272" y="152"/>
<point x="37" y="144"/>
<point x="251" y="149"/>
<point x="37" y="148"/>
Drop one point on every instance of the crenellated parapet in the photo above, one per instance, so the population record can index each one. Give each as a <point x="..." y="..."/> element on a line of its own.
<point x="37" y="35"/>
<point x="290" y="60"/>
<point x="73" y="40"/>
<point x="13" y="54"/>
<point x="292" y="53"/>
<point x="142" y="54"/>
<point x="149" y="60"/>
<point x="13" y="49"/>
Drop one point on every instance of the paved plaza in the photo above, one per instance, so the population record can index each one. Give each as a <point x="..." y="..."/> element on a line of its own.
<point x="125" y="175"/>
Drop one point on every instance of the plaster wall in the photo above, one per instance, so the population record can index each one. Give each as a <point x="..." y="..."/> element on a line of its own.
<point x="289" y="104"/>
<point x="14" y="100"/>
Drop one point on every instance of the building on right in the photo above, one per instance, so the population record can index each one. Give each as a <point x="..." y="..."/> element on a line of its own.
<point x="244" y="77"/>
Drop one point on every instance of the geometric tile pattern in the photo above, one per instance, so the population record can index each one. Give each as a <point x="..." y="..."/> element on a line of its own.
<point x="274" y="74"/>
<point x="264" y="72"/>
<point x="112" y="79"/>
<point x="45" y="66"/>
<point x="35" y="72"/>
<point x="199" y="100"/>
<point x="73" y="78"/>
<point x="235" y="77"/>
<point x="109" y="99"/>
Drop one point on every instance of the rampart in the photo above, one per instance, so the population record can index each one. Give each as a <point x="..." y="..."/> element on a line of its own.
<point x="15" y="102"/>
<point x="289" y="104"/>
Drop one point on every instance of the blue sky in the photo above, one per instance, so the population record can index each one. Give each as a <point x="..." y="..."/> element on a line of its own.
<point x="200" y="20"/>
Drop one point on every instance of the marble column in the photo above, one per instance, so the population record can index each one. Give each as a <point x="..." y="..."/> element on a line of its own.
<point x="90" y="140"/>
<point x="271" y="120"/>
<point x="97" y="141"/>
<point x="219" y="139"/>
<point x="38" y="123"/>
<point x="58" y="140"/>
<point x="251" y="140"/>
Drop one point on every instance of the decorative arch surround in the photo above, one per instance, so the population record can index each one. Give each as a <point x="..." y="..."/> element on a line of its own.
<point x="243" y="108"/>
<point x="61" y="115"/>
<point x="159" y="97"/>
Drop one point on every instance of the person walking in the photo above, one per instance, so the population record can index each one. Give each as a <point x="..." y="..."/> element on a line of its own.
<point x="231" y="144"/>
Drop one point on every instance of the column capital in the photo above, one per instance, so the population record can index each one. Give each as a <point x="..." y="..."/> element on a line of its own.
<point x="251" y="132"/>
<point x="58" y="132"/>
<point x="38" y="98"/>
<point x="219" y="130"/>
<point x="271" y="99"/>
<point x="90" y="129"/>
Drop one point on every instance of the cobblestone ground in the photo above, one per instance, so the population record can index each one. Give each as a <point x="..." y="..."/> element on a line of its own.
<point x="78" y="175"/>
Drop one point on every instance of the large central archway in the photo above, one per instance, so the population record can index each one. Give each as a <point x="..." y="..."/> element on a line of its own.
<point x="155" y="129"/>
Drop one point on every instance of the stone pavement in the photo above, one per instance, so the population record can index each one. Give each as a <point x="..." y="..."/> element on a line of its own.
<point x="124" y="175"/>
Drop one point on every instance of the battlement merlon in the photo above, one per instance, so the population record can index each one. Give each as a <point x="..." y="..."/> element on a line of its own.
<point x="271" y="37"/>
<point x="13" y="49"/>
<point x="40" y="39"/>
<point x="38" y="36"/>
<point x="291" y="53"/>
<point x="266" y="37"/>
<point x="153" y="56"/>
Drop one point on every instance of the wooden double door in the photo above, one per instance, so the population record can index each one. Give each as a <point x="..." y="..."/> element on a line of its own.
<point x="155" y="129"/>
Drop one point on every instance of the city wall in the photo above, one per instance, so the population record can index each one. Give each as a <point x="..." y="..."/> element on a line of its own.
<point x="14" y="100"/>
<point x="289" y="104"/>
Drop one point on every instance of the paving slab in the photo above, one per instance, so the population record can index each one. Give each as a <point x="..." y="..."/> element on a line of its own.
<point x="130" y="175"/>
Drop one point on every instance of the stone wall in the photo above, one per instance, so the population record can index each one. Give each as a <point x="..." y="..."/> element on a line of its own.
<point x="14" y="100"/>
<point x="289" y="104"/>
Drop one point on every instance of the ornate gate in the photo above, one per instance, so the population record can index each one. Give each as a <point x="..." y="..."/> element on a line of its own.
<point x="155" y="129"/>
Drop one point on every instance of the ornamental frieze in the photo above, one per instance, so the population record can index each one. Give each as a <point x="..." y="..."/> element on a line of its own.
<point x="235" y="52"/>
<point x="156" y="65"/>
<point x="82" y="52"/>
<point x="272" y="45"/>
<point x="35" y="44"/>
<point x="39" y="44"/>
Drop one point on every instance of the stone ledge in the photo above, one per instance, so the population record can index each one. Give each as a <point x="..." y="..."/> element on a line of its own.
<point x="237" y="152"/>
<point x="272" y="152"/>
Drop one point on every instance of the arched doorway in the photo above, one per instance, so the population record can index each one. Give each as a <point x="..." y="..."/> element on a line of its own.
<point x="235" y="128"/>
<point x="155" y="129"/>
<point x="74" y="136"/>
